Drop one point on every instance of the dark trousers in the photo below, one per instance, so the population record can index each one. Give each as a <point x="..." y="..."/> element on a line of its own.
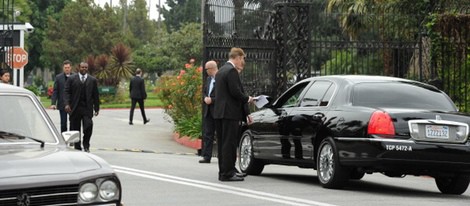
<point x="227" y="141"/>
<point x="208" y="137"/>
<point x="63" y="120"/>
<point x="141" y="106"/>
<point x="76" y="120"/>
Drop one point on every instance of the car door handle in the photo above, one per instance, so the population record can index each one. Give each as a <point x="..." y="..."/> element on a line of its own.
<point x="318" y="115"/>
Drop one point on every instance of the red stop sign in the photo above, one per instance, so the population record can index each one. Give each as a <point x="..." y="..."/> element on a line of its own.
<point x="17" y="58"/>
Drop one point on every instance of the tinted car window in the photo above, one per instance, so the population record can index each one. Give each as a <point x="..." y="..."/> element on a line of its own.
<point x="399" y="95"/>
<point x="326" y="99"/>
<point x="292" y="96"/>
<point x="315" y="94"/>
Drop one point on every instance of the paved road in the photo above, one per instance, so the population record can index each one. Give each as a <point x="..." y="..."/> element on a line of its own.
<point x="111" y="131"/>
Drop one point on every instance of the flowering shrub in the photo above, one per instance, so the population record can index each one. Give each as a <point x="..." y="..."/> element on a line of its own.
<point x="50" y="91"/>
<point x="182" y="97"/>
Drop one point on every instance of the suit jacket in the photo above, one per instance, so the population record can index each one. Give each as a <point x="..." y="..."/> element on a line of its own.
<point x="73" y="88"/>
<point x="208" y="109"/>
<point x="137" y="88"/>
<point x="231" y="99"/>
<point x="58" y="93"/>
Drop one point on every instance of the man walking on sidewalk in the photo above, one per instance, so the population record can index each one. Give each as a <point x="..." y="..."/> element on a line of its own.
<point x="57" y="99"/>
<point x="81" y="99"/>
<point x="138" y="95"/>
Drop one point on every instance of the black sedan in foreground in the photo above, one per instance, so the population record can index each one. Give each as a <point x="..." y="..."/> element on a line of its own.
<point x="37" y="167"/>
<point x="348" y="126"/>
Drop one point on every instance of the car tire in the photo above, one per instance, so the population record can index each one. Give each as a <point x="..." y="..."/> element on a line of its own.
<point x="330" y="173"/>
<point x="247" y="163"/>
<point x="453" y="185"/>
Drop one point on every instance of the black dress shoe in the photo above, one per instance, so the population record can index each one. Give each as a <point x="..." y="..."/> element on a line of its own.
<point x="130" y="123"/>
<point x="204" y="161"/>
<point x="87" y="150"/>
<point x="146" y="121"/>
<point x="231" y="179"/>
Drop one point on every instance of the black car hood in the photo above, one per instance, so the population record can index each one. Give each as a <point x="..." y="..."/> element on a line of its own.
<point x="44" y="162"/>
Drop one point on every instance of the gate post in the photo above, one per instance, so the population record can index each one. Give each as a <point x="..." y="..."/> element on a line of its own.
<point x="292" y="28"/>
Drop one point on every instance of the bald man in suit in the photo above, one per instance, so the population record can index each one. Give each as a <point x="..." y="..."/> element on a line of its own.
<point x="208" y="112"/>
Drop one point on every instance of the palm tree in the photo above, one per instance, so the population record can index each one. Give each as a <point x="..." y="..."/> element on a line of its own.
<point x="356" y="18"/>
<point x="352" y="15"/>
<point x="121" y="62"/>
<point x="103" y="73"/>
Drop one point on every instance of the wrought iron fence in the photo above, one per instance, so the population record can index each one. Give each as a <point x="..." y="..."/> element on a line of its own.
<point x="6" y="31"/>
<point x="452" y="62"/>
<point x="237" y="23"/>
<point x="395" y="45"/>
<point x="260" y="75"/>
<point x="268" y="31"/>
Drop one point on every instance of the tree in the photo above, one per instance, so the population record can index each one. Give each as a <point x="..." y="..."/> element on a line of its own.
<point x="103" y="73"/>
<point x="181" y="12"/>
<point x="82" y="30"/>
<point x="184" y="44"/>
<point x="121" y="62"/>
<point x="139" y="23"/>
<point x="151" y="57"/>
<point x="10" y="7"/>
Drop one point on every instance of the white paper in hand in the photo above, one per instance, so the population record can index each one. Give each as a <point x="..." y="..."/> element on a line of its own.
<point x="261" y="100"/>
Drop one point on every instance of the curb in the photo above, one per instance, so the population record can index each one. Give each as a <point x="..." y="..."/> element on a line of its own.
<point x="137" y="150"/>
<point x="186" y="141"/>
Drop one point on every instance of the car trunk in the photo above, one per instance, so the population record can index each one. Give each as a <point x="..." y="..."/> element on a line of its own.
<point x="401" y="117"/>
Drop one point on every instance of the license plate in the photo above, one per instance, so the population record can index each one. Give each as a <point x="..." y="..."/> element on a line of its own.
<point x="437" y="131"/>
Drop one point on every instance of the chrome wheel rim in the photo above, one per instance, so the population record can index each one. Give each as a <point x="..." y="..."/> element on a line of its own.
<point x="326" y="163"/>
<point x="245" y="152"/>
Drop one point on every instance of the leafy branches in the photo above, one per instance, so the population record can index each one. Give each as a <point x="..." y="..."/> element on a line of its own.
<point x="121" y="62"/>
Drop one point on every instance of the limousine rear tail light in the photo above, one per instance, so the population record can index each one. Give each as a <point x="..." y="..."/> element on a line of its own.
<point x="380" y="123"/>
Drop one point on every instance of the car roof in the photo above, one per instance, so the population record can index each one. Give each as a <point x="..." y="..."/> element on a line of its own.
<point x="355" y="79"/>
<point x="359" y="78"/>
<point x="7" y="88"/>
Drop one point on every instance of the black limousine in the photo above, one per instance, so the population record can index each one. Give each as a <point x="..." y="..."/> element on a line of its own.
<point x="346" y="126"/>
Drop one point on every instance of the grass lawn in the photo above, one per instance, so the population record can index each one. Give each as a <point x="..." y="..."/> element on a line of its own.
<point x="151" y="101"/>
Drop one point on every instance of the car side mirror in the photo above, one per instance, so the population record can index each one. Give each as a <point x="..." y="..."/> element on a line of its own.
<point x="71" y="136"/>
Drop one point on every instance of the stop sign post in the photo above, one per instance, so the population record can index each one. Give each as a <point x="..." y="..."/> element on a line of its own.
<point x="17" y="58"/>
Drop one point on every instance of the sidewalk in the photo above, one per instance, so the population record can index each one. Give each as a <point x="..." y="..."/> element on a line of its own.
<point x="111" y="131"/>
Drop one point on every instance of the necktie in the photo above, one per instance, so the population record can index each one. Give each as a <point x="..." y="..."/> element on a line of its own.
<point x="211" y="86"/>
<point x="83" y="79"/>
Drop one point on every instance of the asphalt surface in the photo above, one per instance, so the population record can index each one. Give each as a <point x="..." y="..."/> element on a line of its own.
<point x="111" y="131"/>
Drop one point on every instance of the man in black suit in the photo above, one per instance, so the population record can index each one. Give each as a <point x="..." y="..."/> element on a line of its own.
<point x="138" y="94"/>
<point x="208" y="112"/>
<point x="230" y="109"/>
<point x="57" y="99"/>
<point x="81" y="99"/>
